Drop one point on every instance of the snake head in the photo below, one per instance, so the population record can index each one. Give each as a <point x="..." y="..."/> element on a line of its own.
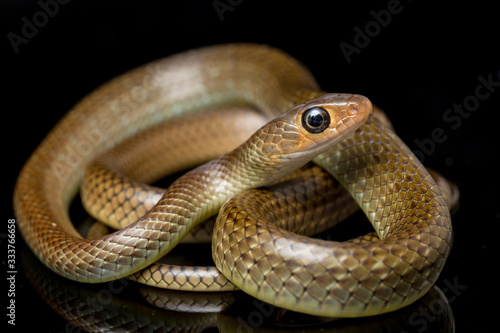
<point x="311" y="128"/>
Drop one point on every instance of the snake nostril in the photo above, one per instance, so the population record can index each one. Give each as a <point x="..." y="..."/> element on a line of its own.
<point x="353" y="109"/>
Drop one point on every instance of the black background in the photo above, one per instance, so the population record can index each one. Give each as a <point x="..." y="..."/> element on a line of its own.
<point x="427" y="59"/>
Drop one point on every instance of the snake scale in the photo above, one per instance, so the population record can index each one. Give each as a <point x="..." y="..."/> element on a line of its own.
<point x="372" y="274"/>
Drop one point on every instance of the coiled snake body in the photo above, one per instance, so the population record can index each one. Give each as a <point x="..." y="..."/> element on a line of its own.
<point x="368" y="275"/>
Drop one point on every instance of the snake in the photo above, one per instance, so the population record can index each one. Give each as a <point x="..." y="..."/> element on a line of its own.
<point x="372" y="274"/>
<point x="134" y="163"/>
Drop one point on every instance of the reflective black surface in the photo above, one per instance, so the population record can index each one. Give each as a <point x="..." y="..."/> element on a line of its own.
<point x="436" y="61"/>
<point x="129" y="307"/>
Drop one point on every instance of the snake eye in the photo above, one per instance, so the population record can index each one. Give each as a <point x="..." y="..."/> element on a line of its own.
<point x="315" y="120"/>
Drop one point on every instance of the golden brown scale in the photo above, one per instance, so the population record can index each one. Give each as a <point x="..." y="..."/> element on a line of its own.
<point x="307" y="203"/>
<point x="365" y="276"/>
<point x="272" y="82"/>
<point x="114" y="190"/>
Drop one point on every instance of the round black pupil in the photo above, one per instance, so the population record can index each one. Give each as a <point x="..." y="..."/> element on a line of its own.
<point x="315" y="119"/>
